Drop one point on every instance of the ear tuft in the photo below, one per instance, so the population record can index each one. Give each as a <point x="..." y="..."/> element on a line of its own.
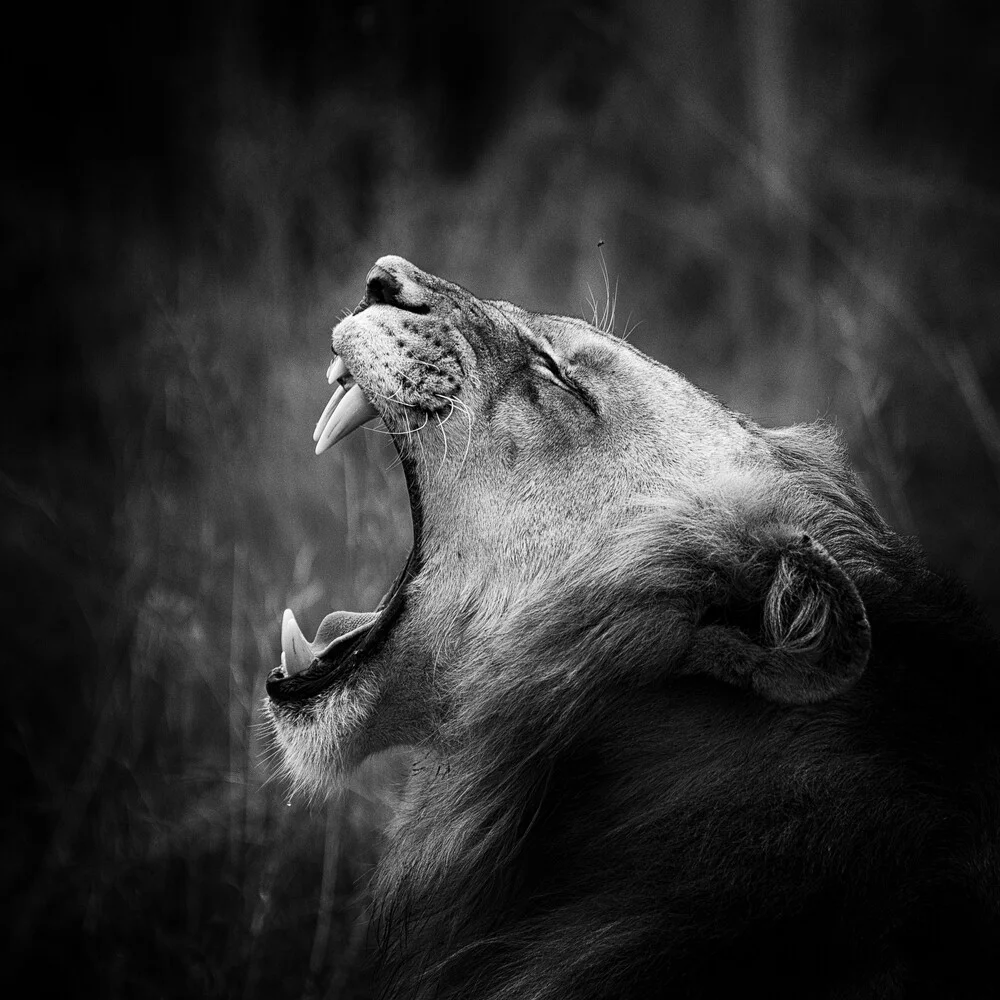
<point x="815" y="622"/>
<point x="814" y="639"/>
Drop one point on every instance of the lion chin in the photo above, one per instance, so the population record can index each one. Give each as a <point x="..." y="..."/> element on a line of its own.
<point x="701" y="720"/>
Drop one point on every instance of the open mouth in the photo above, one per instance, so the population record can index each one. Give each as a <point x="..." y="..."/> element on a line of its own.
<point x="344" y="638"/>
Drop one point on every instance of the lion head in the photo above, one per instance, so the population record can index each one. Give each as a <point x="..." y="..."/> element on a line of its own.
<point x="624" y="602"/>
<point x="539" y="453"/>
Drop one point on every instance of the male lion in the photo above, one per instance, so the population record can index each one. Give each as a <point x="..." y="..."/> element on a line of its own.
<point x="691" y="720"/>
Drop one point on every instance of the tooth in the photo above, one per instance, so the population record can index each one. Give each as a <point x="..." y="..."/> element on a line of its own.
<point x="349" y="415"/>
<point x="296" y="653"/>
<point x="336" y="370"/>
<point x="330" y="407"/>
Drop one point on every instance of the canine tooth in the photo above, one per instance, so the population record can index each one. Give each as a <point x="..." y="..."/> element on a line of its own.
<point x="296" y="653"/>
<point x="348" y="416"/>
<point x="337" y="370"/>
<point x="337" y="396"/>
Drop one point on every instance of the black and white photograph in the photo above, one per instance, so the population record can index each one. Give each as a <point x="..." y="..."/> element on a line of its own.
<point x="502" y="501"/>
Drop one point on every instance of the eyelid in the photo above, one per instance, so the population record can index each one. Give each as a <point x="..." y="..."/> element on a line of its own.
<point x="552" y="368"/>
<point x="552" y="365"/>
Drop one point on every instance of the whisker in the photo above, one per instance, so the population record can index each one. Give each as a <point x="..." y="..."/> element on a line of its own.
<point x="429" y="364"/>
<point x="607" y="291"/>
<point x="409" y="406"/>
<point x="450" y="401"/>
<point x="395" y="399"/>
<point x="592" y="302"/>
<point x="630" y="327"/>
<point x="468" y="440"/>
<point x="444" y="438"/>
<point x="414" y="430"/>
<point x="420" y="441"/>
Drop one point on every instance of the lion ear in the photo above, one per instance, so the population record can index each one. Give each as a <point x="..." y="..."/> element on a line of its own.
<point x="793" y="627"/>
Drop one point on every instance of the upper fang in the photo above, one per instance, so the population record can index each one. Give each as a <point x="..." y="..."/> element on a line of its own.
<point x="336" y="371"/>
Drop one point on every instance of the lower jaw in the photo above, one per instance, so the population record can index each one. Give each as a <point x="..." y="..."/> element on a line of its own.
<point x="345" y="663"/>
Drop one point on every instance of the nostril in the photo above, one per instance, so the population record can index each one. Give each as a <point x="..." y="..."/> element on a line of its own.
<point x="383" y="287"/>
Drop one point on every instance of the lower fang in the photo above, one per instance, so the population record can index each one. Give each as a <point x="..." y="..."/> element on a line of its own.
<point x="296" y="651"/>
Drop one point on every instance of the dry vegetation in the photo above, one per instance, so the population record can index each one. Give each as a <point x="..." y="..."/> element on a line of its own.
<point x="771" y="253"/>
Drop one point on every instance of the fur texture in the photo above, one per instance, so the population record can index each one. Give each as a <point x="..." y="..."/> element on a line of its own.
<point x="689" y="718"/>
<point x="602" y="818"/>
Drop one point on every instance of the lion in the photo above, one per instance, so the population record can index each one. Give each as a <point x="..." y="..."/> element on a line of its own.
<point x="687" y="716"/>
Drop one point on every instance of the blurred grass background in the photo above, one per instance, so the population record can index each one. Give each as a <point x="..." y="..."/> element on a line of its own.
<point x="799" y="205"/>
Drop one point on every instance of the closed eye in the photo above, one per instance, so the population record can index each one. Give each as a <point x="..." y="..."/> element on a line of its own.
<point x="548" y="366"/>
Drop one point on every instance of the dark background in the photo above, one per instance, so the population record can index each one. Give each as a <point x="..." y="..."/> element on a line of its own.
<point x="799" y="205"/>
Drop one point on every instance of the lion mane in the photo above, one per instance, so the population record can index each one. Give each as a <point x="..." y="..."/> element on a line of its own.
<point x="595" y="831"/>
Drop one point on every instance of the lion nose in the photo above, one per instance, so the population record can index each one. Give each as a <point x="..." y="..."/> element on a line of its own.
<point x="394" y="281"/>
<point x="383" y="286"/>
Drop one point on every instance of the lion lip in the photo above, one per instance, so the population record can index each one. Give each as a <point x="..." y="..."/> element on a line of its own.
<point x="337" y="628"/>
<point x="339" y="650"/>
<point x="307" y="669"/>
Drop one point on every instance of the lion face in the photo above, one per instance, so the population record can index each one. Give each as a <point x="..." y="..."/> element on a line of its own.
<point x="530" y="443"/>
